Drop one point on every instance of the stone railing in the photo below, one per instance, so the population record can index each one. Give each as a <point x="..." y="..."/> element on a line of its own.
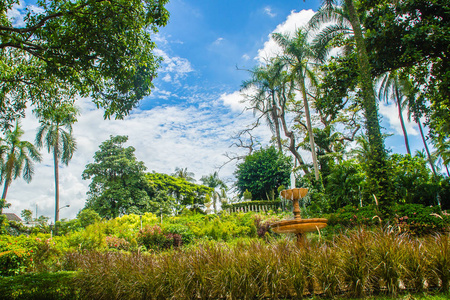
<point x="254" y="206"/>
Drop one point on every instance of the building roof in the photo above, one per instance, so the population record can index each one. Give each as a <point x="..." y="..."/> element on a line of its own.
<point x="12" y="217"/>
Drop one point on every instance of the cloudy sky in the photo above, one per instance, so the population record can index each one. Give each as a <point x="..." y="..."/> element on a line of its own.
<point x="194" y="111"/>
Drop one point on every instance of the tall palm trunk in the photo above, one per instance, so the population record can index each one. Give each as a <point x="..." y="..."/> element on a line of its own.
<point x="308" y="123"/>
<point x="56" y="169"/>
<point x="402" y="121"/>
<point x="426" y="147"/>
<point x="5" y="190"/>
<point x="9" y="168"/>
<point x="369" y="101"/>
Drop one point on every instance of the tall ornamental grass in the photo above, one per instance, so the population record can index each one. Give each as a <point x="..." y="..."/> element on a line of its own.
<point x="357" y="263"/>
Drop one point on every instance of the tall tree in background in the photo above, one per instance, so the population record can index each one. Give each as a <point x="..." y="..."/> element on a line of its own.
<point x="377" y="167"/>
<point x="184" y="173"/>
<point x="118" y="182"/>
<point x="18" y="158"/>
<point x="97" y="48"/>
<point x="266" y="81"/>
<point x="299" y="54"/>
<point x="213" y="181"/>
<point x="55" y="133"/>
<point x="391" y="88"/>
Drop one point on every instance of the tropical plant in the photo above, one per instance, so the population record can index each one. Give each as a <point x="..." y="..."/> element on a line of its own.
<point x="184" y="174"/>
<point x="298" y="53"/>
<point x="213" y="181"/>
<point x="55" y="133"/>
<point x="118" y="181"/>
<point x="263" y="172"/>
<point x="18" y="158"/>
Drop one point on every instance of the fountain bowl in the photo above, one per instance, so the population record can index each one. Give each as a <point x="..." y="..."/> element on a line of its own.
<point x="299" y="225"/>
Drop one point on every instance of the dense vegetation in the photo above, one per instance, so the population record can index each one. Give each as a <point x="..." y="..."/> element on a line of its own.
<point x="151" y="235"/>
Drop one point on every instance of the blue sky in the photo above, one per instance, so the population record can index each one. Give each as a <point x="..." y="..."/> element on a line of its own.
<point x="194" y="111"/>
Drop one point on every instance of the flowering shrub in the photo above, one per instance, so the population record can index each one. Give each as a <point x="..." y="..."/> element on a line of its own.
<point x="117" y="243"/>
<point x="15" y="255"/>
<point x="152" y="237"/>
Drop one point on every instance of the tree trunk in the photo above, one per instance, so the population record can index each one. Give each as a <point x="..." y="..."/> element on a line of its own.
<point x="308" y="123"/>
<point x="402" y="121"/>
<point x="5" y="190"/>
<point x="426" y="147"/>
<point x="276" y="122"/>
<point x="55" y="162"/>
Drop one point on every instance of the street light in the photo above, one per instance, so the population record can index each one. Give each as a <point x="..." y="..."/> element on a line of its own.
<point x="68" y="205"/>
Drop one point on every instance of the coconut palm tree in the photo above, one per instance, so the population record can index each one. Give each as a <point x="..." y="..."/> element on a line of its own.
<point x="55" y="133"/>
<point x="213" y="181"/>
<point x="266" y="80"/>
<point x="184" y="173"/>
<point x="18" y="157"/>
<point x="391" y="87"/>
<point x="298" y="53"/>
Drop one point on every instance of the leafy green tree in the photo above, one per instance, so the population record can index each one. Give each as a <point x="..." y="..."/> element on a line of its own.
<point x="118" y="184"/>
<point x="55" y="132"/>
<point x="97" y="48"/>
<point x="4" y="204"/>
<point x="213" y="181"/>
<point x="88" y="216"/>
<point x="18" y="158"/>
<point x="299" y="54"/>
<point x="27" y="215"/>
<point x="263" y="172"/>
<point x="172" y="194"/>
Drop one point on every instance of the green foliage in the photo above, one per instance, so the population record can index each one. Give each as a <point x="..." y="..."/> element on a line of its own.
<point x="263" y="172"/>
<point x="15" y="255"/>
<point x="118" y="183"/>
<point x="27" y="215"/>
<point x="87" y="217"/>
<point x="58" y="285"/>
<point x="152" y="237"/>
<point x="170" y="194"/>
<point x="70" y="54"/>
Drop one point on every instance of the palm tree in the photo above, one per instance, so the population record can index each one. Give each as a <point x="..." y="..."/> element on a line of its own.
<point x="55" y="132"/>
<point x="392" y="86"/>
<point x="184" y="173"/>
<point x="299" y="54"/>
<point x="267" y="81"/>
<point x="17" y="158"/>
<point x="213" y="181"/>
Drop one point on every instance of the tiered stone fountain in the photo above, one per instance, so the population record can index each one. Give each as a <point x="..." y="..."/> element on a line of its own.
<point x="298" y="226"/>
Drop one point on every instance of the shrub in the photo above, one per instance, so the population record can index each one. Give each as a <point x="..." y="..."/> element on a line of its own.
<point x="15" y="255"/>
<point x="152" y="237"/>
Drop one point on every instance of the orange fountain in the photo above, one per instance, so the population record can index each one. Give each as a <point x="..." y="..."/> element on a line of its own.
<point x="298" y="225"/>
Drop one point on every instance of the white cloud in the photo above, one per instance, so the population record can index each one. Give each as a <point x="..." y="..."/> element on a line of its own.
<point x="176" y="67"/>
<point x="164" y="138"/>
<point x="234" y="100"/>
<point x="268" y="11"/>
<point x="390" y="112"/>
<point x="218" y="41"/>
<point x="293" y="22"/>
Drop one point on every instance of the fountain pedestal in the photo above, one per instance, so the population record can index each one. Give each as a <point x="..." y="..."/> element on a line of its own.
<point x="298" y="226"/>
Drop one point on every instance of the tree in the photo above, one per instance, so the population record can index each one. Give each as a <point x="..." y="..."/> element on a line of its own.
<point x="118" y="184"/>
<point x="263" y="172"/>
<point x="379" y="184"/>
<point x="18" y="158"/>
<point x="27" y="215"/>
<point x="391" y="88"/>
<point x="55" y="132"/>
<point x="213" y="181"/>
<point x="97" y="48"/>
<point x="184" y="173"/>
<point x="299" y="53"/>
<point x="172" y="194"/>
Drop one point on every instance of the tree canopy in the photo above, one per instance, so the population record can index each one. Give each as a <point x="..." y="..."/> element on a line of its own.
<point x="97" y="48"/>
<point x="118" y="182"/>
<point x="263" y="172"/>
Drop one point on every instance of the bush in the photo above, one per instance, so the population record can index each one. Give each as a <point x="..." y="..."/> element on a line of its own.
<point x="152" y="237"/>
<point x="15" y="255"/>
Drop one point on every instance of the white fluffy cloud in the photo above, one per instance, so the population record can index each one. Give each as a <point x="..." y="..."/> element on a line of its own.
<point x="294" y="21"/>
<point x="390" y="112"/>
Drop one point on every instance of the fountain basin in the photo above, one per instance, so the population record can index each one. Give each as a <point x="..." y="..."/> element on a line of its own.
<point x="298" y="225"/>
